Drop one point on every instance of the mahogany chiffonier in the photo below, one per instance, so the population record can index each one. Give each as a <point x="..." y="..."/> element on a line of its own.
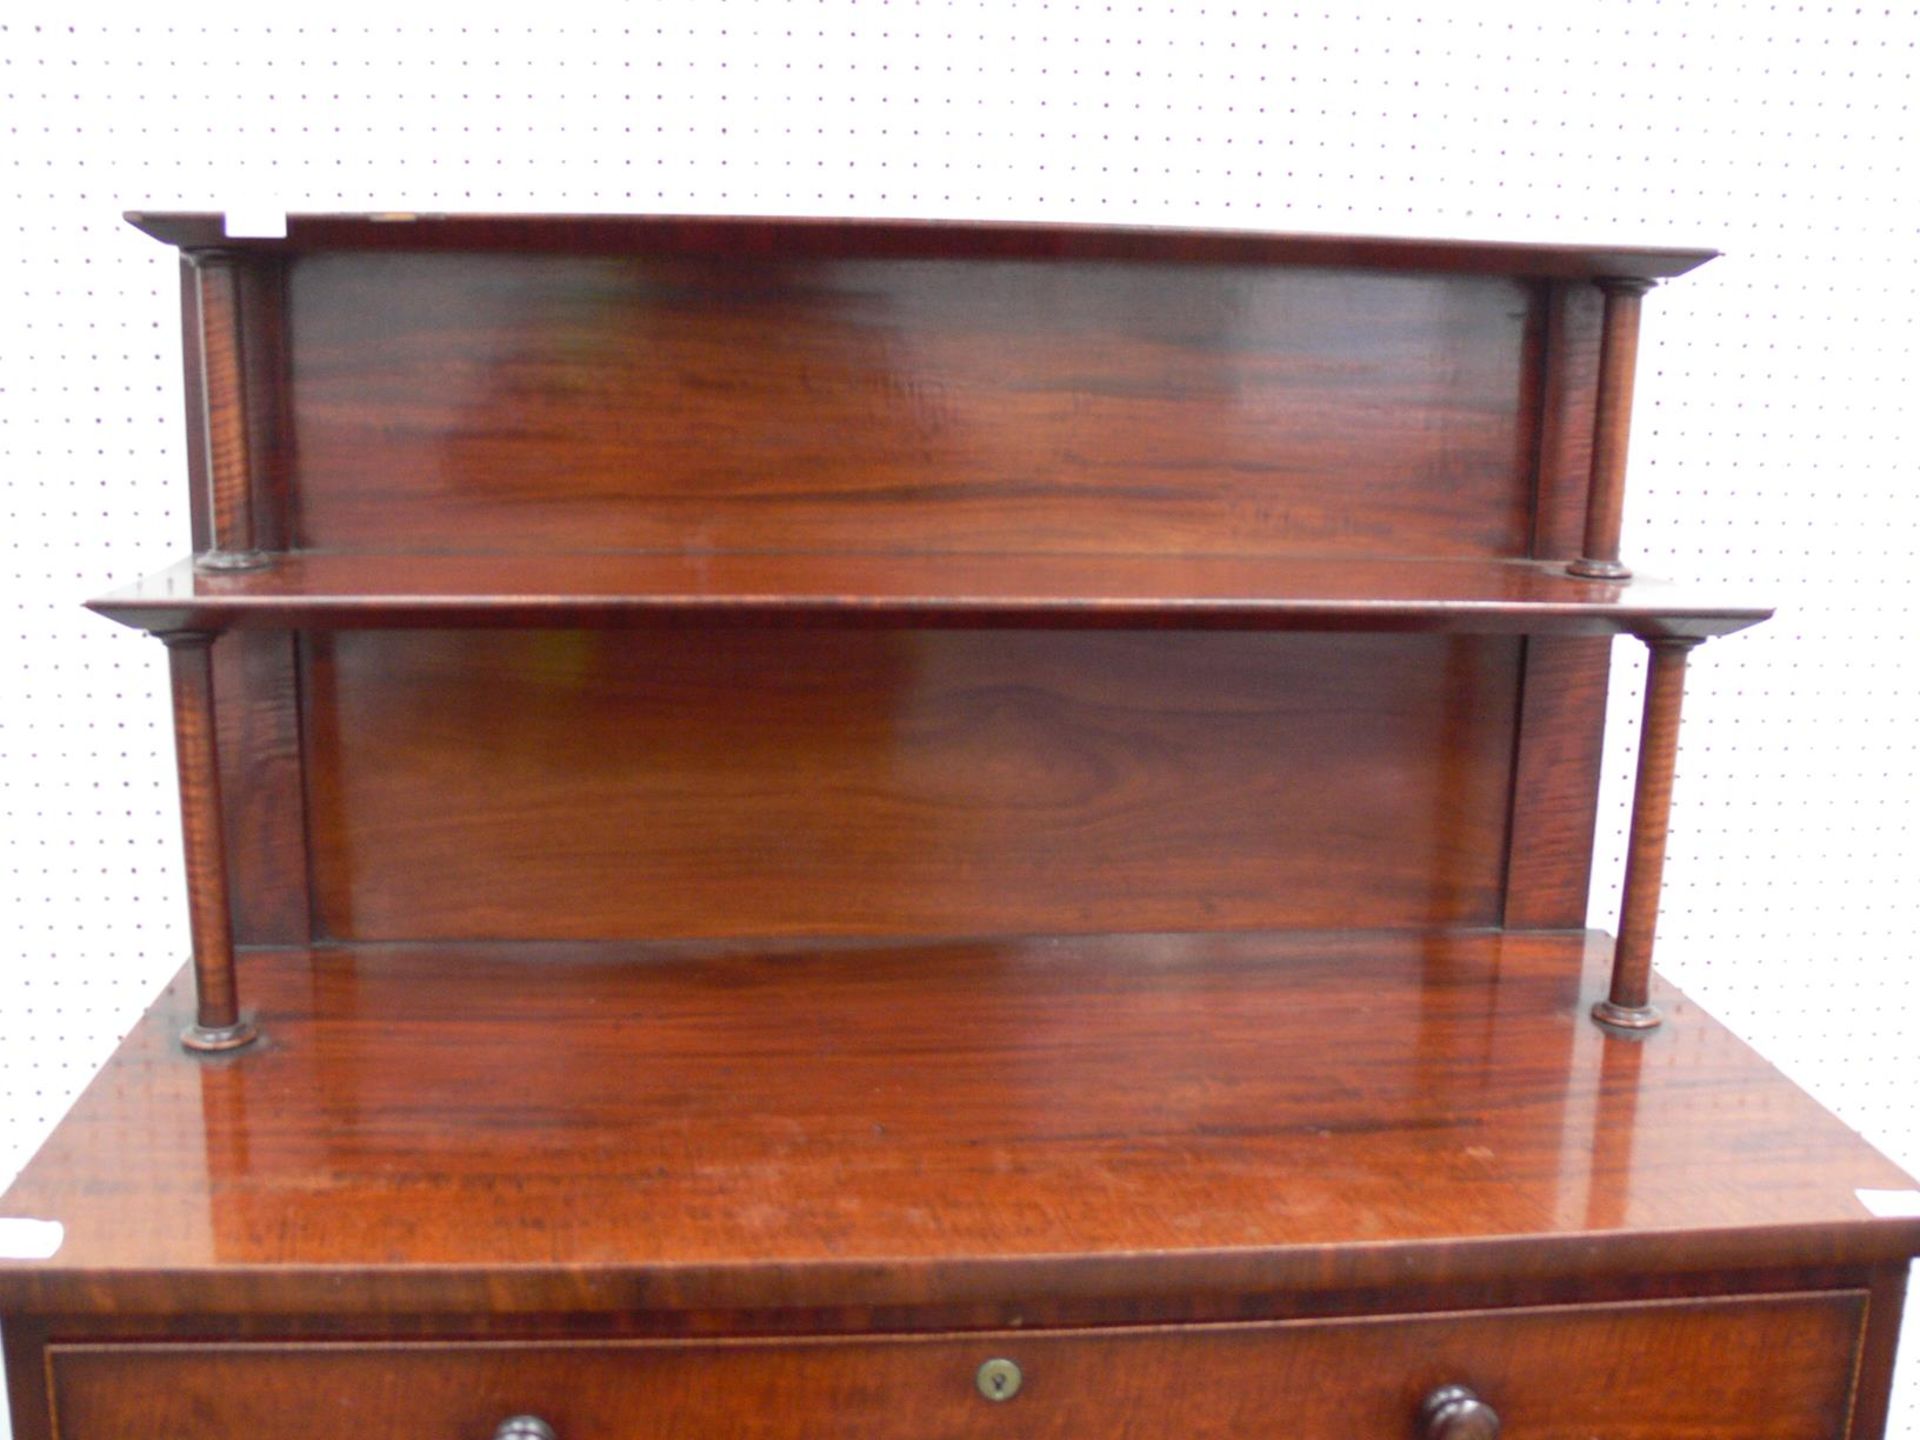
<point x="914" y="830"/>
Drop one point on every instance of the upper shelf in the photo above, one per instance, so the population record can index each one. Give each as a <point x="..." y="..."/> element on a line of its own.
<point x="789" y="239"/>
<point x="322" y="590"/>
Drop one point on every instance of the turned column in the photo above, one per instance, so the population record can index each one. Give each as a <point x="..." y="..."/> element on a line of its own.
<point x="1612" y="412"/>
<point x="218" y="1023"/>
<point x="233" y="526"/>
<point x="1627" y="1005"/>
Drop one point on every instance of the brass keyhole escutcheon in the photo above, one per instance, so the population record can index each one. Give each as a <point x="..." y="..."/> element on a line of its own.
<point x="998" y="1379"/>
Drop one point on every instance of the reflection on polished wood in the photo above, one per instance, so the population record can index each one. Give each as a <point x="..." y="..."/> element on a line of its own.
<point x="1036" y="404"/>
<point x="667" y="784"/>
<point x="1004" y="1123"/>
<point x="807" y="847"/>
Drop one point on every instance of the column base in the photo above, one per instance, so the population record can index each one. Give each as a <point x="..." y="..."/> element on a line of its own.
<point x="1626" y="1017"/>
<point x="1587" y="569"/>
<point x="212" y="1039"/>
<point x="221" y="560"/>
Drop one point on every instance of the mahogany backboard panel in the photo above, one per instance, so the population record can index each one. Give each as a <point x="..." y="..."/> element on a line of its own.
<point x="674" y="782"/>
<point x="924" y="405"/>
<point x="263" y="786"/>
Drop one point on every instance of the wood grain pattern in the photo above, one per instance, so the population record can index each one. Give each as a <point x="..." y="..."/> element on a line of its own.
<point x="1563" y="686"/>
<point x="1613" y="412"/>
<point x="1574" y="314"/>
<point x="1556" y="782"/>
<point x="1168" y="592"/>
<point x="572" y="785"/>
<point x="760" y="238"/>
<point x="1021" y="1123"/>
<point x="940" y="594"/>
<point x="895" y="405"/>
<point x="28" y="1392"/>
<point x="203" y="830"/>
<point x="194" y="392"/>
<point x="262" y="786"/>
<point x="270" y="433"/>
<point x="225" y="395"/>
<point x="1873" y="1387"/>
<point x="1764" y="1369"/>
<point x="1627" y="1003"/>
<point x="705" y="579"/>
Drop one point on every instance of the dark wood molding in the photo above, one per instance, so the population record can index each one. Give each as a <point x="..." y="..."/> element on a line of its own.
<point x="782" y="238"/>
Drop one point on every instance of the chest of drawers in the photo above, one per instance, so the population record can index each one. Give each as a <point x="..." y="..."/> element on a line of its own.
<point x="925" y="830"/>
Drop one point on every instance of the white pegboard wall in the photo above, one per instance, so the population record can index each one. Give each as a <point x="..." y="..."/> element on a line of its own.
<point x="1773" y="440"/>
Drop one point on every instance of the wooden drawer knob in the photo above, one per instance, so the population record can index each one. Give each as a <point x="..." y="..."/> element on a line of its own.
<point x="524" y="1427"/>
<point x="1453" y="1412"/>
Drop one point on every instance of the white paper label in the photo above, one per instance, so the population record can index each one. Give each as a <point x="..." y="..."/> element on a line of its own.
<point x="30" y="1239"/>
<point x="256" y="222"/>
<point x="1891" y="1204"/>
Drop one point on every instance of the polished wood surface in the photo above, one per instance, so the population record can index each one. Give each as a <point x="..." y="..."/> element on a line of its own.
<point x="953" y="406"/>
<point x="1613" y="413"/>
<point x="1199" y="592"/>
<point x="256" y="689"/>
<point x="1556" y="782"/>
<point x="222" y="392"/>
<point x="570" y="785"/>
<point x="1571" y="357"/>
<point x="749" y="237"/>
<point x="217" y="1022"/>
<point x="1878" y="1348"/>
<point x="565" y="1130"/>
<point x="1772" y="1368"/>
<point x="800" y="771"/>
<point x="1628" y="1005"/>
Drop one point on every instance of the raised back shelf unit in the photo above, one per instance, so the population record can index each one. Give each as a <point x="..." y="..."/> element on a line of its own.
<point x="786" y="818"/>
<point x="678" y="425"/>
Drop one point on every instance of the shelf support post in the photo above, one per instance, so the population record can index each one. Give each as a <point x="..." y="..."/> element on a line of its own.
<point x="218" y="1024"/>
<point x="1613" y="409"/>
<point x="1628" y="1006"/>
<point x="234" y="533"/>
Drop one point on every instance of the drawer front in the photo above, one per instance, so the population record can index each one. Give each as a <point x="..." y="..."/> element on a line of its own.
<point x="1771" y="1368"/>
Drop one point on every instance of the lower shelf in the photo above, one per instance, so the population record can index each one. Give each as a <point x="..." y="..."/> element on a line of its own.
<point x="987" y="1123"/>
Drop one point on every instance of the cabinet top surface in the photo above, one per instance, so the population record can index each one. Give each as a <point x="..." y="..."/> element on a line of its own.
<point x="878" y="1123"/>
<point x="770" y="238"/>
